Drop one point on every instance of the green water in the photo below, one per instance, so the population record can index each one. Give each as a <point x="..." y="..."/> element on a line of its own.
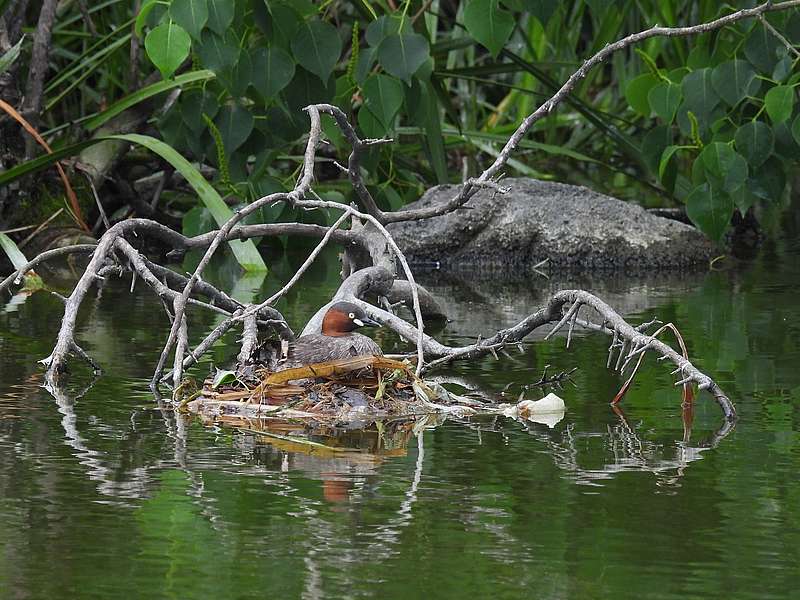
<point x="103" y="494"/>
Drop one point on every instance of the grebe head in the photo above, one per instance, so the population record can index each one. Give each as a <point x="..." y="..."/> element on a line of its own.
<point x="344" y="317"/>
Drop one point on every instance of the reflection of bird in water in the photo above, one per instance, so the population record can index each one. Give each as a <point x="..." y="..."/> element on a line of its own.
<point x="337" y="341"/>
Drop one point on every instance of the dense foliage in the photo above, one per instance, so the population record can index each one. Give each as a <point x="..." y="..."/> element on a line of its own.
<point x="707" y="121"/>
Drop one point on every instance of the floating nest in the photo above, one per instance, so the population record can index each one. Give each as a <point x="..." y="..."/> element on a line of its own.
<point x="350" y="389"/>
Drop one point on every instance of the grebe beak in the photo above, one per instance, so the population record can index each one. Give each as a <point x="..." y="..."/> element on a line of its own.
<point x="365" y="322"/>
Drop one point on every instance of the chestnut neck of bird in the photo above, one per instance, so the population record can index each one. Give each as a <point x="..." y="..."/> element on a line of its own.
<point x="337" y="324"/>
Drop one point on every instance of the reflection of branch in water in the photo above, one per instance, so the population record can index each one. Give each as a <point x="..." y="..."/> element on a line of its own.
<point x="92" y="459"/>
<point x="629" y="451"/>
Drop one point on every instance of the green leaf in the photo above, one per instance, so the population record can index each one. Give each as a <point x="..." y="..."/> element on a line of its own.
<point x="769" y="182"/>
<point x="285" y="23"/>
<point x="236" y="78"/>
<point x="220" y="15"/>
<point x="541" y="9"/>
<point x="196" y="103"/>
<point x="637" y="90"/>
<point x="317" y="47"/>
<point x="235" y="123"/>
<point x="490" y="25"/>
<point x="783" y="69"/>
<point x="401" y="55"/>
<point x="217" y="53"/>
<point x="245" y="251"/>
<point x="192" y="15"/>
<point x="197" y="221"/>
<point x="167" y="46"/>
<point x="385" y="26"/>
<point x="145" y="93"/>
<point x="666" y="156"/>
<point x="779" y="103"/>
<point x="710" y="210"/>
<point x="273" y="69"/>
<point x="664" y="98"/>
<point x="653" y="145"/>
<point x="366" y="59"/>
<point x="754" y="141"/>
<point x="699" y="94"/>
<point x="8" y="58"/>
<point x="761" y="49"/>
<point x="743" y="198"/>
<point x="222" y="377"/>
<point x="733" y="80"/>
<point x="370" y="125"/>
<point x="383" y="97"/>
<point x="14" y="254"/>
<point x="725" y="168"/>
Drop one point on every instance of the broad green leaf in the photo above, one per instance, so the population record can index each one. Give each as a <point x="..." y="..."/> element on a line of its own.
<point x="653" y="145"/>
<point x="754" y="141"/>
<point x="769" y="181"/>
<point x="220" y="15"/>
<point x="167" y="46"/>
<point x="217" y="53"/>
<point x="541" y="9"/>
<point x="196" y="103"/>
<point x="304" y="89"/>
<point x="383" y="97"/>
<point x="779" y="103"/>
<point x="761" y="49"/>
<point x="724" y="167"/>
<point x="733" y="80"/>
<point x="664" y="98"/>
<point x="192" y="15"/>
<point x="488" y="24"/>
<point x="401" y="55"/>
<point x="8" y="58"/>
<point x="273" y="69"/>
<point x="637" y="90"/>
<point x="783" y="68"/>
<point x="197" y="221"/>
<point x="14" y="254"/>
<point x="222" y="377"/>
<point x="235" y="123"/>
<point x="785" y="145"/>
<point x="710" y="210"/>
<point x="384" y="26"/>
<point x="246" y="253"/>
<point x="145" y="93"/>
<point x="743" y="198"/>
<point x="285" y="23"/>
<point x="366" y="59"/>
<point x="666" y="156"/>
<point x="317" y="47"/>
<point x="237" y="78"/>
<point x="699" y="95"/>
<point x="370" y="125"/>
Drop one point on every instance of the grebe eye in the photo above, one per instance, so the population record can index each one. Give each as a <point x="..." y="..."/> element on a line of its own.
<point x="352" y="315"/>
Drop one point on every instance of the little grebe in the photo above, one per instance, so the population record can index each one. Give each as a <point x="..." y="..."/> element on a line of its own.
<point x="338" y="339"/>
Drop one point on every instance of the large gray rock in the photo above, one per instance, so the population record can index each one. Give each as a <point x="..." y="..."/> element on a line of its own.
<point x="571" y="226"/>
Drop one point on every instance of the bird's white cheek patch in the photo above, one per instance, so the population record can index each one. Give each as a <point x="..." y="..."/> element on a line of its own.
<point x="358" y="322"/>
